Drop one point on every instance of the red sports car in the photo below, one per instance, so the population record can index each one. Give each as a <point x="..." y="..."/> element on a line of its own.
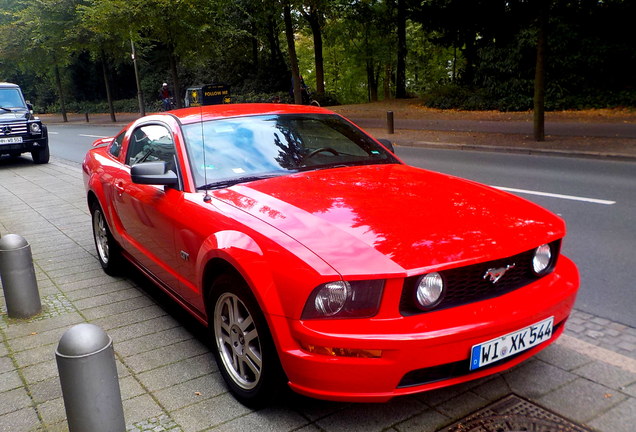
<point x="319" y="260"/>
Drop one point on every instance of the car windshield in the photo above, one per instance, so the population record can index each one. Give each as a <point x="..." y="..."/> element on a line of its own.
<point x="230" y="151"/>
<point x="11" y="98"/>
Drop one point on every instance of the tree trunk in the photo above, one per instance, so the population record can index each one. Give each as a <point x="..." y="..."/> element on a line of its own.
<point x="176" y="94"/>
<point x="58" y="83"/>
<point x="314" y="18"/>
<point x="400" y="82"/>
<point x="140" y="93"/>
<point x="539" y="77"/>
<point x="293" y="60"/>
<point x="388" y="74"/>
<point x="372" y="82"/>
<point x="109" y="97"/>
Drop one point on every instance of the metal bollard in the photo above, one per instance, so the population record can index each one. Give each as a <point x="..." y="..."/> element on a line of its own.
<point x="18" y="277"/>
<point x="389" y="122"/>
<point x="88" y="376"/>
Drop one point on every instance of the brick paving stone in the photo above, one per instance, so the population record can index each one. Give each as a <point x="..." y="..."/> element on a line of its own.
<point x="22" y="420"/>
<point x="108" y="298"/>
<point x="563" y="358"/>
<point x="271" y="419"/>
<point x="149" y="342"/>
<point x="462" y="405"/>
<point x="175" y="373"/>
<point x="372" y="417"/>
<point x="141" y="408"/>
<point x="130" y="387"/>
<point x="607" y="375"/>
<point x="190" y="392"/>
<point x="591" y="400"/>
<point x="121" y="312"/>
<point x="209" y="413"/>
<point x="53" y="412"/>
<point x="536" y="378"/>
<point x="620" y="418"/>
<point x="14" y="400"/>
<point x="165" y="355"/>
<point x="427" y="421"/>
<point x="35" y="355"/>
<point x="46" y="390"/>
<point x="9" y="381"/>
<point x="138" y="329"/>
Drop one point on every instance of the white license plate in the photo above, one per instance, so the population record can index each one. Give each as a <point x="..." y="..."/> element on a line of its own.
<point x="510" y="344"/>
<point x="11" y="140"/>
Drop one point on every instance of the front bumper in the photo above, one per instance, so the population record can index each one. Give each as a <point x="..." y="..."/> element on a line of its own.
<point x="29" y="141"/>
<point x="422" y="352"/>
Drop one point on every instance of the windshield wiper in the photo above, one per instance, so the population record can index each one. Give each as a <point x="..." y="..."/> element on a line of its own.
<point x="234" y="181"/>
<point x="6" y="109"/>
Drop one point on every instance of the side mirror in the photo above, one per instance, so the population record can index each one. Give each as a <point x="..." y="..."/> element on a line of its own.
<point x="388" y="144"/>
<point x="153" y="173"/>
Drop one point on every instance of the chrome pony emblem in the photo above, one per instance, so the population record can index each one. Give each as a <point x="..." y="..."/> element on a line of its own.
<point x="494" y="274"/>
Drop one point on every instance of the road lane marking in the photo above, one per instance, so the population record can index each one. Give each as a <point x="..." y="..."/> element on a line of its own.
<point x="93" y="136"/>
<point x="553" y="195"/>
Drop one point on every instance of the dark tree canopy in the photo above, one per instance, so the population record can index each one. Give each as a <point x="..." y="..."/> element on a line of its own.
<point x="470" y="54"/>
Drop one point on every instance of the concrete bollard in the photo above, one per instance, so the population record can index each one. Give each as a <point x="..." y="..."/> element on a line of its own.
<point x="389" y="122"/>
<point x="89" y="381"/>
<point x="18" y="277"/>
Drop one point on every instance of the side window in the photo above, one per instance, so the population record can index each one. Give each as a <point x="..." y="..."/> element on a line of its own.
<point x="151" y="143"/>
<point x="115" y="147"/>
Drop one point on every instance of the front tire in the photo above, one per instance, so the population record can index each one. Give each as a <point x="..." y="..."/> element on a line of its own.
<point x="42" y="155"/>
<point x="108" y="251"/>
<point x="244" y="349"/>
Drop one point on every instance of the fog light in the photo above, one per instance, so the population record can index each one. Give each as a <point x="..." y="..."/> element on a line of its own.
<point x="430" y="290"/>
<point x="341" y="352"/>
<point x="542" y="259"/>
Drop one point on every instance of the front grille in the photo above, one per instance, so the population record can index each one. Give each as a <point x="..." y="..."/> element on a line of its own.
<point x="467" y="284"/>
<point x="13" y="129"/>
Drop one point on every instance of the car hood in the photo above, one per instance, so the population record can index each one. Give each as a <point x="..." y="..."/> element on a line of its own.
<point x="14" y="115"/>
<point x="395" y="219"/>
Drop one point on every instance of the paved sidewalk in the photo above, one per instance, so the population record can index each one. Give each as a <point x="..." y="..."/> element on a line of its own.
<point x="167" y="374"/>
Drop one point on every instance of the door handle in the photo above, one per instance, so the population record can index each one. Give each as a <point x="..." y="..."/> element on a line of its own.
<point x="119" y="186"/>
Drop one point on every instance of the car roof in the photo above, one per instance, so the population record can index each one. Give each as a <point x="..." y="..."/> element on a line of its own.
<point x="215" y="112"/>
<point x="8" y="85"/>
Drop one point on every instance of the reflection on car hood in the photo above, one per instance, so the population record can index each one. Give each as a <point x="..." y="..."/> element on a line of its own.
<point x="395" y="218"/>
<point x="14" y="114"/>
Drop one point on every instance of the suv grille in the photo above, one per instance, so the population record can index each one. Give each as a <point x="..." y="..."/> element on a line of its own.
<point x="467" y="284"/>
<point x="12" y="129"/>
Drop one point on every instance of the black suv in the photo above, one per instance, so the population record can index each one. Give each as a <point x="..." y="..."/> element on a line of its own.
<point x="20" y="131"/>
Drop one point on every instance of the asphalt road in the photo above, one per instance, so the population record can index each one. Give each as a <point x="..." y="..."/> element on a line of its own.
<point x="596" y="198"/>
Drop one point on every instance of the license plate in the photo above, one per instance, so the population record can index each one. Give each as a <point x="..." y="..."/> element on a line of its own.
<point x="508" y="345"/>
<point x="11" y="140"/>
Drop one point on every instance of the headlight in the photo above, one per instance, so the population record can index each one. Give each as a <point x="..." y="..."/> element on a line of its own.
<point x="429" y="290"/>
<point x="542" y="259"/>
<point x="36" y="128"/>
<point x="344" y="299"/>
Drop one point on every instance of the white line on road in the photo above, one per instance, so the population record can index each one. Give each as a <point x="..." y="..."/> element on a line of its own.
<point x="93" y="136"/>
<point x="553" y="195"/>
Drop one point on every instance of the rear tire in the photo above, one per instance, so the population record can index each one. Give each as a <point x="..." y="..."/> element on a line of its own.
<point x="108" y="250"/>
<point x="243" y="345"/>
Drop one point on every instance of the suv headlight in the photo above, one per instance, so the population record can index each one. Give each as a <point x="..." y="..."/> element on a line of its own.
<point x="344" y="299"/>
<point x="36" y="128"/>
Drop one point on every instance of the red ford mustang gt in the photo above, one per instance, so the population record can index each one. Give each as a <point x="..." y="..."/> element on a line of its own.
<point x="319" y="260"/>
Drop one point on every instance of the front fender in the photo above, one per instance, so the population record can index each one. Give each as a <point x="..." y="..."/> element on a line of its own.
<point x="245" y="255"/>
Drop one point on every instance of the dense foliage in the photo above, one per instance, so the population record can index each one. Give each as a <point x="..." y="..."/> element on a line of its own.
<point x="75" y="55"/>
